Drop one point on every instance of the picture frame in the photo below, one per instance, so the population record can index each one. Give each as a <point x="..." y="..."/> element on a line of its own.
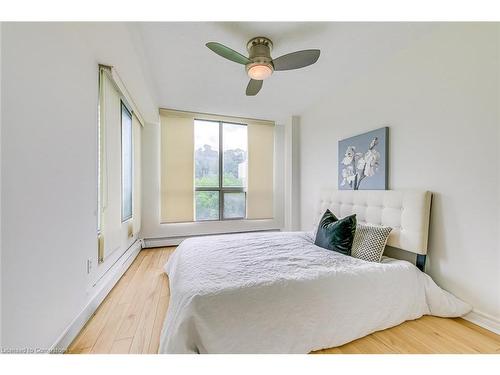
<point x="363" y="161"/>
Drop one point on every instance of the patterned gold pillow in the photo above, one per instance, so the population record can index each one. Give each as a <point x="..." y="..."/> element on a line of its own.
<point x="369" y="242"/>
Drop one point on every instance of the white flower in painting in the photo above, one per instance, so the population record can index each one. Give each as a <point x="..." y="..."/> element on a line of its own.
<point x="372" y="158"/>
<point x="359" y="166"/>
<point x="349" y="155"/>
<point x="348" y="175"/>
<point x="361" y="163"/>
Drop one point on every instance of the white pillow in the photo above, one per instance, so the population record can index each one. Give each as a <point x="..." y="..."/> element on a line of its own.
<point x="369" y="242"/>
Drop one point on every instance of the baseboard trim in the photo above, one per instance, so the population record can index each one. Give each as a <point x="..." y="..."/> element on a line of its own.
<point x="162" y="242"/>
<point x="104" y="286"/>
<point x="484" y="320"/>
<point x="176" y="240"/>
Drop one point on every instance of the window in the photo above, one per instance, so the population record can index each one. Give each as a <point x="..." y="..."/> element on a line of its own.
<point x="220" y="170"/>
<point x="127" y="181"/>
<point x="215" y="167"/>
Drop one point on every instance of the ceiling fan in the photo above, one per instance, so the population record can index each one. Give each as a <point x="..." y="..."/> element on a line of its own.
<point x="259" y="64"/>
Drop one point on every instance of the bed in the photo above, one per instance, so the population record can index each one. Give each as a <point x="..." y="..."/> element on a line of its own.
<point x="277" y="292"/>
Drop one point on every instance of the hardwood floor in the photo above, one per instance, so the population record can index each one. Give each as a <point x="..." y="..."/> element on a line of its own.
<point x="130" y="319"/>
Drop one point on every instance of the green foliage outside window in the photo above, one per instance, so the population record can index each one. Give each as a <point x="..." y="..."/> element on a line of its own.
<point x="213" y="181"/>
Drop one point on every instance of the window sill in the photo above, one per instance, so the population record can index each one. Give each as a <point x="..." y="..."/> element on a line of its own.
<point x="198" y="228"/>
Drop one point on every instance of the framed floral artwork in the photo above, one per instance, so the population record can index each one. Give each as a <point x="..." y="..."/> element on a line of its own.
<point x="363" y="161"/>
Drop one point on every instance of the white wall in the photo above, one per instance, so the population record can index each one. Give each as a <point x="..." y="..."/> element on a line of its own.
<point x="440" y="97"/>
<point x="49" y="169"/>
<point x="155" y="233"/>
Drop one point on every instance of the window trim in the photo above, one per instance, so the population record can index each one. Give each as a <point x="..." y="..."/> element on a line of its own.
<point x="221" y="189"/>
<point x="122" y="106"/>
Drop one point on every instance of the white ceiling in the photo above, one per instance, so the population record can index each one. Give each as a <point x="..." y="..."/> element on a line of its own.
<point x="186" y="75"/>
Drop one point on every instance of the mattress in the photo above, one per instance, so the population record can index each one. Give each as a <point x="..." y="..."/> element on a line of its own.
<point x="277" y="292"/>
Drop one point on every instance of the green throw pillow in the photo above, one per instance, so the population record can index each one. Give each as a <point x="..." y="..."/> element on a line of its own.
<point x="334" y="234"/>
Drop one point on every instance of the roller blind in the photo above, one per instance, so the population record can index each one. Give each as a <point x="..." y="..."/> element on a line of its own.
<point x="177" y="162"/>
<point x="177" y="165"/>
<point x="260" y="171"/>
<point x="111" y="176"/>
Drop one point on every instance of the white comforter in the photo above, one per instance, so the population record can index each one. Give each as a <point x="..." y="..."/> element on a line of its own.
<point x="280" y="293"/>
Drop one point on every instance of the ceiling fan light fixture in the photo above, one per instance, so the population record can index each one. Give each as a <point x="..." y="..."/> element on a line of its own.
<point x="260" y="72"/>
<point x="259" y="64"/>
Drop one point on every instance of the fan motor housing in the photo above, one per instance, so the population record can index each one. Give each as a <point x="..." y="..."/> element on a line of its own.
<point x="259" y="51"/>
<point x="259" y="47"/>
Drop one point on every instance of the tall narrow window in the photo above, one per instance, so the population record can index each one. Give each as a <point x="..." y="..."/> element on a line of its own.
<point x="127" y="170"/>
<point x="220" y="170"/>
<point x="234" y="170"/>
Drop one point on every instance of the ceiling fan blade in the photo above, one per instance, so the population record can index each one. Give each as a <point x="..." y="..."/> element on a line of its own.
<point x="253" y="87"/>
<point x="296" y="60"/>
<point x="228" y="53"/>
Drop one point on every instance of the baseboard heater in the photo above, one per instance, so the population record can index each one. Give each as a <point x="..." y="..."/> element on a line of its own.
<point x="176" y="240"/>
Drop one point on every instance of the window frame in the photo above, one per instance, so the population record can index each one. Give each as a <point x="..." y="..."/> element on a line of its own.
<point x="221" y="189"/>
<point x="124" y="106"/>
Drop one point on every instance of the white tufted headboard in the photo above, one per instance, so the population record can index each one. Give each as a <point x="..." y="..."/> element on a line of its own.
<point x="405" y="211"/>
